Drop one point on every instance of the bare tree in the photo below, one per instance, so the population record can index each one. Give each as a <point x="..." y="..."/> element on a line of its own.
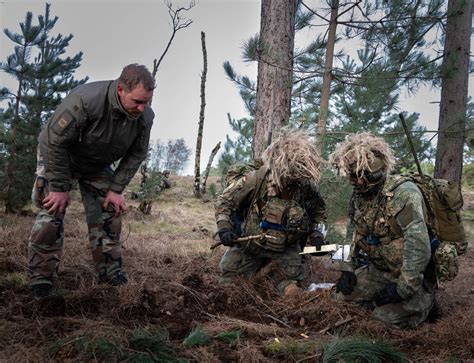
<point x="178" y="22"/>
<point x="208" y="167"/>
<point x="454" y="89"/>
<point x="197" y="172"/>
<point x="275" y="64"/>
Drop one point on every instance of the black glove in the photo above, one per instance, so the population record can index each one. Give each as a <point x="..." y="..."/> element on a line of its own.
<point x="316" y="238"/>
<point x="388" y="295"/>
<point x="346" y="283"/>
<point x="227" y="237"/>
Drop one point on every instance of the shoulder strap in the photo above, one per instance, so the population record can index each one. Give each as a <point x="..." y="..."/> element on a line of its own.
<point x="261" y="174"/>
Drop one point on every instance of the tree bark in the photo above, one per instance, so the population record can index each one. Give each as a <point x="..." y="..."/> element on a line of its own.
<point x="327" y="77"/>
<point x="208" y="167"/>
<point x="197" y="162"/>
<point x="454" y="88"/>
<point x="274" y="81"/>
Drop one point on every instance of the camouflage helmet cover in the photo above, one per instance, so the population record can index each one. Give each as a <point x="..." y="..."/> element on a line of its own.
<point x="293" y="156"/>
<point x="363" y="152"/>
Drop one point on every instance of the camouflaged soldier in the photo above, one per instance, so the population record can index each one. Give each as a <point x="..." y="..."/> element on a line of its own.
<point x="390" y="268"/>
<point x="277" y="207"/>
<point x="95" y="125"/>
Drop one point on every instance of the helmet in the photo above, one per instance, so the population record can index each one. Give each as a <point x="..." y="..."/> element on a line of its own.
<point x="364" y="156"/>
<point x="293" y="157"/>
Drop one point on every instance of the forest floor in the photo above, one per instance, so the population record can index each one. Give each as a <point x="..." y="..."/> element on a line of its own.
<point x="173" y="292"/>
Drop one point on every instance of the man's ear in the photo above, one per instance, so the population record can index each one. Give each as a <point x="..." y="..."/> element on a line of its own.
<point x="120" y="90"/>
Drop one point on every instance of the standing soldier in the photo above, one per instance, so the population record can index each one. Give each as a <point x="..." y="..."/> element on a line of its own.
<point x="96" y="125"/>
<point x="277" y="207"/>
<point x="390" y="268"/>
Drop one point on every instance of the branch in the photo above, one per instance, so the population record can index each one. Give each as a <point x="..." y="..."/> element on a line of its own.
<point x="178" y="24"/>
<point x="208" y="167"/>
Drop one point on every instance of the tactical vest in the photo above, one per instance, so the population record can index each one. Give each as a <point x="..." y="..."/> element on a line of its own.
<point x="374" y="220"/>
<point x="283" y="222"/>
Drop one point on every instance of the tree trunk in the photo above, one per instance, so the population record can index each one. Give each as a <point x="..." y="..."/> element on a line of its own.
<point x="274" y="82"/>
<point x="208" y="167"/>
<point x="327" y="77"/>
<point x="454" y="88"/>
<point x="197" y="171"/>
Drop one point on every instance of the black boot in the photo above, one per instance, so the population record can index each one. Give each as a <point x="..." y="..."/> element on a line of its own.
<point x="42" y="290"/>
<point x="117" y="280"/>
<point x="435" y="313"/>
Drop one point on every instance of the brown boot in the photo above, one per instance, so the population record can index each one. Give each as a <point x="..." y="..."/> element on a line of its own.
<point x="291" y="289"/>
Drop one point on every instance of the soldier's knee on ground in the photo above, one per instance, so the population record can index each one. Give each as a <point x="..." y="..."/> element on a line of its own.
<point x="396" y="316"/>
<point x="291" y="289"/>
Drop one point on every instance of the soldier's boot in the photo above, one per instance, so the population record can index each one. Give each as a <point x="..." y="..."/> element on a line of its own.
<point x="291" y="289"/>
<point x="42" y="290"/>
<point x="435" y="313"/>
<point x="117" y="280"/>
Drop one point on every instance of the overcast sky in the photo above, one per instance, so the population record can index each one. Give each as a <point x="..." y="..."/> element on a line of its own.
<point x="113" y="33"/>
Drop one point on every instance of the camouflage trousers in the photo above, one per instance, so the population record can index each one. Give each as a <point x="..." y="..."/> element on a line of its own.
<point x="47" y="235"/>
<point x="287" y="266"/>
<point x="405" y="315"/>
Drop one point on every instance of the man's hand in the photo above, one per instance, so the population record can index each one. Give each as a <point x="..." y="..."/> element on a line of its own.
<point x="316" y="238"/>
<point x="227" y="237"/>
<point x="388" y="295"/>
<point x="346" y="283"/>
<point x="56" y="202"/>
<point x="117" y="201"/>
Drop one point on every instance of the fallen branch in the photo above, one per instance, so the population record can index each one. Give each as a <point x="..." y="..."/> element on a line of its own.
<point x="339" y="323"/>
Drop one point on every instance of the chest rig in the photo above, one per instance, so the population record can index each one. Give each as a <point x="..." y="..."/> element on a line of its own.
<point x="278" y="216"/>
<point x="374" y="218"/>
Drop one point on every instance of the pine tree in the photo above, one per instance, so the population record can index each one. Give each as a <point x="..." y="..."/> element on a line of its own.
<point x="452" y="119"/>
<point x="275" y="64"/>
<point x="43" y="78"/>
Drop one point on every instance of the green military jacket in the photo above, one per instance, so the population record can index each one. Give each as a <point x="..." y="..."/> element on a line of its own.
<point x="247" y="199"/>
<point x="395" y="217"/>
<point x="89" y="131"/>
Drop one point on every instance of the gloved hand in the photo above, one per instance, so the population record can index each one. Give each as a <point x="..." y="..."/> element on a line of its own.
<point x="316" y="238"/>
<point x="388" y="295"/>
<point x="227" y="237"/>
<point x="346" y="283"/>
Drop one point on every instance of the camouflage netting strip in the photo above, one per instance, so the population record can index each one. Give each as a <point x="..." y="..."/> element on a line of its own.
<point x="293" y="156"/>
<point x="361" y="149"/>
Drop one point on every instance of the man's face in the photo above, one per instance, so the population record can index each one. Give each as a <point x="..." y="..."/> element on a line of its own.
<point x="134" y="101"/>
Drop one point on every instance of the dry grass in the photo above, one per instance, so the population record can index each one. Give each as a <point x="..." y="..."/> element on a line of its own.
<point x="173" y="285"/>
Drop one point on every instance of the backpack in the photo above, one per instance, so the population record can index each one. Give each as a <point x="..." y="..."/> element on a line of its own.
<point x="443" y="201"/>
<point x="235" y="173"/>
<point x="238" y="170"/>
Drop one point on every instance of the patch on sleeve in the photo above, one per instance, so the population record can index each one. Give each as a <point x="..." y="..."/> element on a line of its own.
<point x="63" y="122"/>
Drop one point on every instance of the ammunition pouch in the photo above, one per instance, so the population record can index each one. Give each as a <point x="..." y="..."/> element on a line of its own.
<point x="446" y="261"/>
<point x="284" y="220"/>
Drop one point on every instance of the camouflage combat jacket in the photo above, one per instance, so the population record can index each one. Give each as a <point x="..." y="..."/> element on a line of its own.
<point x="89" y="131"/>
<point x="390" y="232"/>
<point x="245" y="201"/>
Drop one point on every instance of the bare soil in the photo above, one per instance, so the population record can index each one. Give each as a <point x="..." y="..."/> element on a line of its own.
<point x="174" y="285"/>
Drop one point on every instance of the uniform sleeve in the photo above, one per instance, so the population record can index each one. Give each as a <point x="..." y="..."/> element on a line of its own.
<point x="316" y="209"/>
<point x="132" y="160"/>
<point x="416" y="250"/>
<point x="231" y="198"/>
<point x="62" y="130"/>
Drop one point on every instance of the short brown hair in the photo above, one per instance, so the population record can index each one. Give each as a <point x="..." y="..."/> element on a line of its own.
<point x="135" y="74"/>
